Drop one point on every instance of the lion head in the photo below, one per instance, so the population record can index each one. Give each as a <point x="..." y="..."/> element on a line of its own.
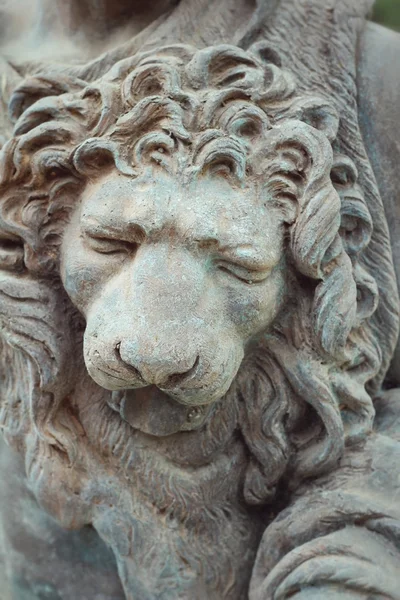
<point x="186" y="225"/>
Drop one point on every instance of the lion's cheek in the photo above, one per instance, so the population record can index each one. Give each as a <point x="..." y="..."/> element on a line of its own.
<point x="82" y="279"/>
<point x="252" y="308"/>
<point x="81" y="284"/>
<point x="84" y="274"/>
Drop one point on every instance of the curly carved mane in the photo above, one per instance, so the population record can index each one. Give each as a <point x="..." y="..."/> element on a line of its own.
<point x="301" y="394"/>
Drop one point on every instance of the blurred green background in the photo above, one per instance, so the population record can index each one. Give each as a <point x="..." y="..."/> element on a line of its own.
<point x="387" y="12"/>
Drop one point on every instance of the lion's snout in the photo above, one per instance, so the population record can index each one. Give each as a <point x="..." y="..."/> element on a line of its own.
<point x="156" y="366"/>
<point x="192" y="374"/>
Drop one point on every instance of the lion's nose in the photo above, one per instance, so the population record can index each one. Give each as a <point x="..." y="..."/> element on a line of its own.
<point x="164" y="370"/>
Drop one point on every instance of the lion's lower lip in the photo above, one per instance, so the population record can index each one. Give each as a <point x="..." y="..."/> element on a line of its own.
<point x="154" y="412"/>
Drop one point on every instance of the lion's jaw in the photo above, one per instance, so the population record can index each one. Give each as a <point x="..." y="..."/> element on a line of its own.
<point x="173" y="280"/>
<point x="167" y="504"/>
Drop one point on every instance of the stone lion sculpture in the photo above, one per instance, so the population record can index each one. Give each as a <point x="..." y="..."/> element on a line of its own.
<point x="189" y="328"/>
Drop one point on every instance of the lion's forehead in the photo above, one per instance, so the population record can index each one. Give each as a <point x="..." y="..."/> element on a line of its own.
<point x="204" y="209"/>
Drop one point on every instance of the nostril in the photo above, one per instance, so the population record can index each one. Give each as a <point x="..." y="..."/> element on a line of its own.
<point x="153" y="370"/>
<point x="126" y="365"/>
<point x="117" y="351"/>
<point x="174" y="380"/>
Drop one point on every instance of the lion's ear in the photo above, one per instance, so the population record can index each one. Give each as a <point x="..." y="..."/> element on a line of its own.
<point x="355" y="231"/>
<point x="266" y="53"/>
<point x="316" y="112"/>
<point x="356" y="221"/>
<point x="320" y="115"/>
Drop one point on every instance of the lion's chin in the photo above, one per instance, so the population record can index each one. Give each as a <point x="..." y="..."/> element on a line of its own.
<point x="152" y="411"/>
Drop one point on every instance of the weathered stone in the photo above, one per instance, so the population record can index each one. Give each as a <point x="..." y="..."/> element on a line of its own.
<point x="198" y="302"/>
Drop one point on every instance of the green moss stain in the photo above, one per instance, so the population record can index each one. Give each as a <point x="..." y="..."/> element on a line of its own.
<point x="387" y="12"/>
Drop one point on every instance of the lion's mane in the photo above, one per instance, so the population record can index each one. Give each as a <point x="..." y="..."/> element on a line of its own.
<point x="302" y="393"/>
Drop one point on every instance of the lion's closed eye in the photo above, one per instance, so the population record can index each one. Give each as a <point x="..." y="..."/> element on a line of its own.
<point x="249" y="276"/>
<point x="105" y="245"/>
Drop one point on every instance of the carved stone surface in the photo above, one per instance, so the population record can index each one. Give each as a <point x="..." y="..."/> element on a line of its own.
<point x="198" y="304"/>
